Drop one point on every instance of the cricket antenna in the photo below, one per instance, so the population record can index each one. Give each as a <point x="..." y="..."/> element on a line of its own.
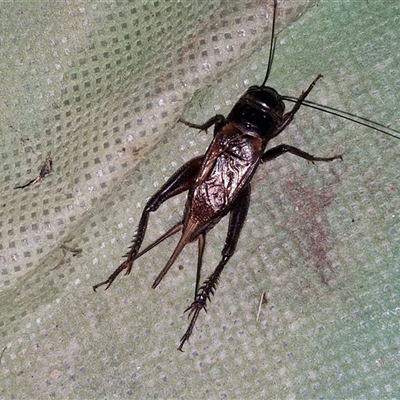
<point x="271" y="46"/>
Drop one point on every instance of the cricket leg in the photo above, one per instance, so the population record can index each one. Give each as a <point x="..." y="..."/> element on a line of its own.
<point x="288" y="117"/>
<point x="218" y="120"/>
<point x="201" y="246"/>
<point x="237" y="218"/>
<point x="285" y="148"/>
<point x="179" y="182"/>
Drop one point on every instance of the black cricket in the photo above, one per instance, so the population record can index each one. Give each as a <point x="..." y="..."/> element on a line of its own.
<point x="219" y="182"/>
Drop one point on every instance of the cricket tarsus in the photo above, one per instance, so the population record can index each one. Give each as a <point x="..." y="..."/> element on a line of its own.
<point x="112" y="277"/>
<point x="194" y="311"/>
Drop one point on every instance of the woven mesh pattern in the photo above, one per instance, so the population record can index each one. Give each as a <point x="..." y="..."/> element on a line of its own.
<point x="98" y="87"/>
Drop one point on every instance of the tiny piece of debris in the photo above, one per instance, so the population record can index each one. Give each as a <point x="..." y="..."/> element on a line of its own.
<point x="263" y="301"/>
<point x="66" y="248"/>
<point x="139" y="151"/>
<point x="2" y="352"/>
<point x="46" y="169"/>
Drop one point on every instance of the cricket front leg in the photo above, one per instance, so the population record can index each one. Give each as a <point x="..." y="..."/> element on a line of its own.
<point x="179" y="182"/>
<point x="237" y="218"/>
<point x="218" y="120"/>
<point x="288" y="117"/>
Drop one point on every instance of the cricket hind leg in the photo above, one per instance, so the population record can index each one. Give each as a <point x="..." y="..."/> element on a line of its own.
<point x="201" y="247"/>
<point x="237" y="218"/>
<point x="179" y="182"/>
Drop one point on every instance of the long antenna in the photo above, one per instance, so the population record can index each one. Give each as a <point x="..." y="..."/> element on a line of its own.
<point x="271" y="46"/>
<point x="348" y="116"/>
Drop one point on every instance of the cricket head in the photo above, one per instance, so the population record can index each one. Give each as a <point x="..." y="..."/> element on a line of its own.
<point x="258" y="112"/>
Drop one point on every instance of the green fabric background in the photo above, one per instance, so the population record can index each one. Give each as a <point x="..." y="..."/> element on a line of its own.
<point x="99" y="86"/>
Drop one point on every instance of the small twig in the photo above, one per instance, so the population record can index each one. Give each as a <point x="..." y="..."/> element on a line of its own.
<point x="71" y="250"/>
<point x="46" y="169"/>
<point x="263" y="301"/>
<point x="2" y="352"/>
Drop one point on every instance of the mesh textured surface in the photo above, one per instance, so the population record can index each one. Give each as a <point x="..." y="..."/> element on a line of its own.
<point x="99" y="87"/>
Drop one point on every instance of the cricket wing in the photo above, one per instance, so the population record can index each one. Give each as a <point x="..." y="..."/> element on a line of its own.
<point x="228" y="166"/>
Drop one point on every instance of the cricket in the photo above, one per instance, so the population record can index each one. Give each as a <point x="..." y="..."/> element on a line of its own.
<point x="218" y="183"/>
